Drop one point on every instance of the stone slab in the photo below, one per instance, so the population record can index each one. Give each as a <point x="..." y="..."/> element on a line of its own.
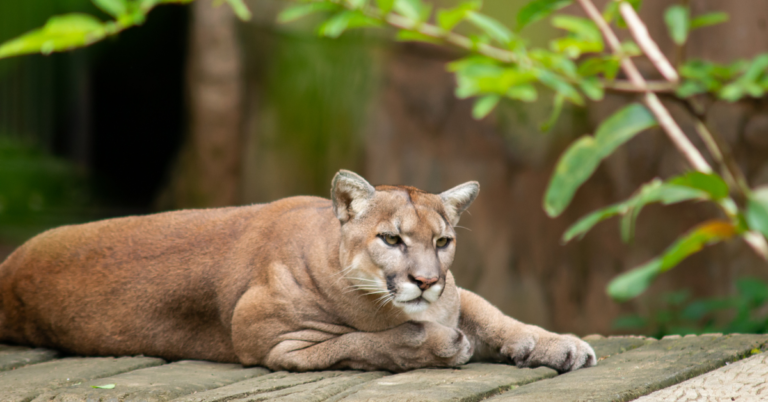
<point x="13" y="357"/>
<point x="155" y="384"/>
<point x="640" y="371"/>
<point x="24" y="384"/>
<point x="471" y="382"/>
<point x="743" y="381"/>
<point x="252" y="389"/>
<point x="606" y="347"/>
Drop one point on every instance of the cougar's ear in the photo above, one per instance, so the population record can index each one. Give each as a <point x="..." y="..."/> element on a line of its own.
<point x="350" y="194"/>
<point x="457" y="199"/>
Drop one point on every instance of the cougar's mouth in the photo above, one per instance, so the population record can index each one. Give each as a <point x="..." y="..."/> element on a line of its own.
<point x="413" y="306"/>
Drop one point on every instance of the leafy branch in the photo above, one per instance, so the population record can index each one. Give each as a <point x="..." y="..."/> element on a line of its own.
<point x="71" y="31"/>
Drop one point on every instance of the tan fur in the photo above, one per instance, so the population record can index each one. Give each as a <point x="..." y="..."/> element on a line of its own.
<point x="300" y="284"/>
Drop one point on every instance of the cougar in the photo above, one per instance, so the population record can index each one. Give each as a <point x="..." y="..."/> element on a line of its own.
<point x="360" y="281"/>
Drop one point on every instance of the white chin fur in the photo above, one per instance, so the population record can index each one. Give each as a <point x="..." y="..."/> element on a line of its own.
<point x="413" y="307"/>
<point x="413" y="301"/>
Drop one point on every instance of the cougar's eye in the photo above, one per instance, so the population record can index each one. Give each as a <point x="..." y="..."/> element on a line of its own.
<point x="391" y="239"/>
<point x="442" y="242"/>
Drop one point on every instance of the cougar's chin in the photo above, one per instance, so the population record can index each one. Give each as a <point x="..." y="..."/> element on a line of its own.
<point x="412" y="300"/>
<point x="413" y="306"/>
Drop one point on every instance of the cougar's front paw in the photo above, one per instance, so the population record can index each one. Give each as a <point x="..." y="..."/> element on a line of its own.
<point x="561" y="352"/>
<point x="434" y="345"/>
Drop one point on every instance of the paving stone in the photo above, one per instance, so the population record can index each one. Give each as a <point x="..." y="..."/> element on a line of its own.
<point x="13" y="357"/>
<point x="156" y="384"/>
<point x="23" y="384"/>
<point x="252" y="389"/>
<point x="640" y="371"/>
<point x="743" y="381"/>
<point x="605" y="347"/>
<point x="471" y="382"/>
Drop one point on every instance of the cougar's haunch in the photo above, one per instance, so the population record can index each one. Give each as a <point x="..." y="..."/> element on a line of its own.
<point x="361" y="281"/>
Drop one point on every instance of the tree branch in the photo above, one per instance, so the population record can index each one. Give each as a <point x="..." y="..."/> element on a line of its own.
<point x="644" y="41"/>
<point x="665" y="120"/>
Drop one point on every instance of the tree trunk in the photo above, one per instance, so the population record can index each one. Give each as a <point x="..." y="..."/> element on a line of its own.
<point x="207" y="172"/>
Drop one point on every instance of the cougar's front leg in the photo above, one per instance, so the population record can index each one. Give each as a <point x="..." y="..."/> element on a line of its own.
<point x="408" y="346"/>
<point x="277" y="339"/>
<point x="497" y="337"/>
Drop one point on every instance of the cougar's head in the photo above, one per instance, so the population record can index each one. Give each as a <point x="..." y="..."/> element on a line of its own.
<point x="397" y="242"/>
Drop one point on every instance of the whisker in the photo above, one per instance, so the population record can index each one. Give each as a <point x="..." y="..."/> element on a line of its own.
<point x="386" y="301"/>
<point x="462" y="227"/>
<point x="364" y="279"/>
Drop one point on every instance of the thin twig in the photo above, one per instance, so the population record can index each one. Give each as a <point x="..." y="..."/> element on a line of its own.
<point x="716" y="148"/>
<point x="658" y="109"/>
<point x="644" y="41"/>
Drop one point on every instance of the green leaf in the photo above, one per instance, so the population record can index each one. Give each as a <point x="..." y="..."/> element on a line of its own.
<point x="538" y="9"/>
<point x="241" y="10"/>
<point x="636" y="281"/>
<point x="405" y="35"/>
<point x="585" y="224"/>
<point x="705" y="234"/>
<point x="709" y="19"/>
<point x="560" y="86"/>
<point x="756" y="68"/>
<point x="414" y="10"/>
<point x="630" y="48"/>
<point x="114" y="8"/>
<point x="711" y="183"/>
<point x="622" y="126"/>
<point x="731" y="92"/>
<point x="574" y="47"/>
<point x="344" y="20"/>
<point x="582" y="158"/>
<point x="490" y="27"/>
<point x="592" y="87"/>
<point x="385" y="6"/>
<point x="63" y="32"/>
<point x="678" y="18"/>
<point x="357" y="4"/>
<point x="106" y="386"/>
<point x="484" y="105"/>
<point x="575" y="166"/>
<point x="447" y="19"/>
<point x="757" y="211"/>
<point x="666" y="193"/>
<point x="655" y="191"/>
<point x="523" y="92"/>
<point x="608" y="66"/>
<point x="690" y="88"/>
<point x="632" y="283"/>
<point x="557" y="108"/>
<point x="581" y="27"/>
<point x="298" y="11"/>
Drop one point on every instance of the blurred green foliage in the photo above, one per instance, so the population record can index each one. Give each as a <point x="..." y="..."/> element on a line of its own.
<point x="678" y="314"/>
<point x="37" y="190"/>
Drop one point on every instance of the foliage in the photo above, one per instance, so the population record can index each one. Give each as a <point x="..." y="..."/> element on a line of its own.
<point x="36" y="189"/>
<point x="75" y="30"/>
<point x="679" y="314"/>
<point x="578" y="66"/>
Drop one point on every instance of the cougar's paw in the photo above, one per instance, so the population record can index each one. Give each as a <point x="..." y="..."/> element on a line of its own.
<point x="561" y="352"/>
<point x="435" y="345"/>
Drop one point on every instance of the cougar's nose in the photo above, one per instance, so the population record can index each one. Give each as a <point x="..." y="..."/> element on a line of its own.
<point x="423" y="283"/>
